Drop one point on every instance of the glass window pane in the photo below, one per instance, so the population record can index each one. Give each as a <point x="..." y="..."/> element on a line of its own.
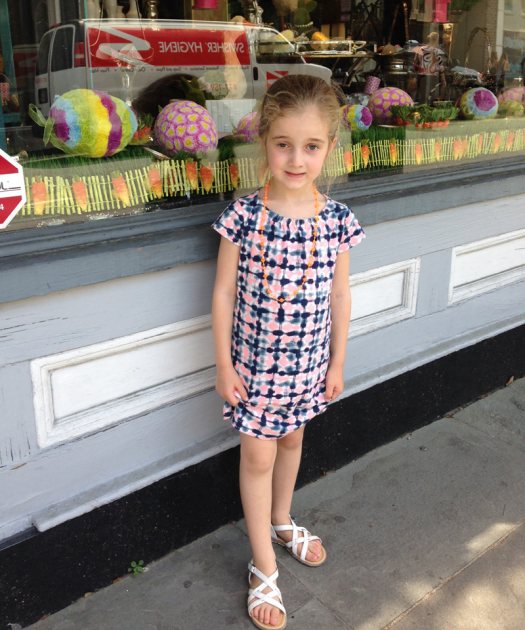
<point x="423" y="86"/>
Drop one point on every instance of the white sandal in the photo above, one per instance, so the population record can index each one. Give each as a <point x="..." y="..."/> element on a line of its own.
<point x="256" y="597"/>
<point x="300" y="535"/>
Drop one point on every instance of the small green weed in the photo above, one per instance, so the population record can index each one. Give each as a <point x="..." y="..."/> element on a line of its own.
<point x="136" y="567"/>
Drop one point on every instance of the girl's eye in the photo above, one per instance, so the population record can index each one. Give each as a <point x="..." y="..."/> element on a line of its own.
<point x="312" y="147"/>
<point x="282" y="145"/>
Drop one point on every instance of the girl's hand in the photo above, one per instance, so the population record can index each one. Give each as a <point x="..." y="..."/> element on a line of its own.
<point x="334" y="383"/>
<point x="230" y="386"/>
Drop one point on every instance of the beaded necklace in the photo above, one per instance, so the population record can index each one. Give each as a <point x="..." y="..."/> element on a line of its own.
<point x="262" y="247"/>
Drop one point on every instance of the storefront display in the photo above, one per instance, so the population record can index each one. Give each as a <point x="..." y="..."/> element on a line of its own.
<point x="170" y="104"/>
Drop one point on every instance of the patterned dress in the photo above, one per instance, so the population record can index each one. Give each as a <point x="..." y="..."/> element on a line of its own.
<point x="281" y="350"/>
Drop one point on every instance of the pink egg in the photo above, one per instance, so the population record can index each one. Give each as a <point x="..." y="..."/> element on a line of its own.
<point x="381" y="102"/>
<point x="513" y="94"/>
<point x="185" y="126"/>
<point x="248" y="127"/>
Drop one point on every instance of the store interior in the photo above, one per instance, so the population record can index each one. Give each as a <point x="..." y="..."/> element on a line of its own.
<point x="422" y="83"/>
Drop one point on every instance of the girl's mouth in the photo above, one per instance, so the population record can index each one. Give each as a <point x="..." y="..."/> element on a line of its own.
<point x="294" y="175"/>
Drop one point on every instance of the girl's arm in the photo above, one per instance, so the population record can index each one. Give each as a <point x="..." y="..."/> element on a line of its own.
<point x="224" y="293"/>
<point x="340" y="301"/>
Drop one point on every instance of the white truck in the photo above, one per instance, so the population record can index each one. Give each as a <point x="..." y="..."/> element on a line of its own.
<point x="234" y="62"/>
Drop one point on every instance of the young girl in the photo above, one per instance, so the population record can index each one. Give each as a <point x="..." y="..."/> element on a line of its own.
<point x="281" y="309"/>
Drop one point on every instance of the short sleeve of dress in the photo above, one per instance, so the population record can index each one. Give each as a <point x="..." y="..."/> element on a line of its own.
<point x="351" y="233"/>
<point x="231" y="222"/>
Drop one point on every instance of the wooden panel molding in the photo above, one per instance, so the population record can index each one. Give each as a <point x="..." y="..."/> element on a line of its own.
<point x="384" y="296"/>
<point x="486" y="265"/>
<point x="88" y="389"/>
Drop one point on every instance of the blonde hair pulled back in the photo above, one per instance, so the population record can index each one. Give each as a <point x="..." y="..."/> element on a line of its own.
<point x="295" y="92"/>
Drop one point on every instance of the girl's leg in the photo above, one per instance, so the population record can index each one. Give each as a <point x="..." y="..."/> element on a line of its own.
<point x="286" y="467"/>
<point x="255" y="479"/>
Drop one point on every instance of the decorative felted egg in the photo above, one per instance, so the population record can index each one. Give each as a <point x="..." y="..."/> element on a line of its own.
<point x="510" y="108"/>
<point x="185" y="126"/>
<point x="90" y="123"/>
<point x="356" y="117"/>
<point x="248" y="127"/>
<point x="513" y="94"/>
<point x="381" y="102"/>
<point x="478" y="103"/>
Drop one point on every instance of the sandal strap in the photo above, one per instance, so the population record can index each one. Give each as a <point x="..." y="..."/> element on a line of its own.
<point x="256" y="597"/>
<point x="300" y="535"/>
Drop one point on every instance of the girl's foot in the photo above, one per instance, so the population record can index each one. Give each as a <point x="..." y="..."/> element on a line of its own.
<point x="265" y="605"/>
<point x="294" y="538"/>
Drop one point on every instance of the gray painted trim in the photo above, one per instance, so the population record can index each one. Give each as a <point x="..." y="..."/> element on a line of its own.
<point x="37" y="262"/>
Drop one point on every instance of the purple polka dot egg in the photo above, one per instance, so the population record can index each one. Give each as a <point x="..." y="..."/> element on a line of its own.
<point x="382" y="100"/>
<point x="478" y="103"/>
<point x="248" y="127"/>
<point x="356" y="117"/>
<point x="185" y="126"/>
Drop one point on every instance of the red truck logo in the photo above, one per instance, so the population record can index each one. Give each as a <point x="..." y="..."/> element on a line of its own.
<point x="110" y="47"/>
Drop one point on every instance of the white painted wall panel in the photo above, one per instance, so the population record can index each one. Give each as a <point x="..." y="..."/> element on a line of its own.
<point x="487" y="264"/>
<point x="383" y="296"/>
<point x="92" y="376"/>
<point x="90" y="388"/>
<point x="378" y="294"/>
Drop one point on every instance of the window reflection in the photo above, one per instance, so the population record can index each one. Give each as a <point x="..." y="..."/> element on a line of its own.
<point x="423" y="85"/>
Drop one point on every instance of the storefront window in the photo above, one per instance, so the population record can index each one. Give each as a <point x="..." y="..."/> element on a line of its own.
<point x="123" y="106"/>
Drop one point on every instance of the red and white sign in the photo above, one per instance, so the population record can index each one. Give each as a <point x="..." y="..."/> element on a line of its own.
<point x="12" y="188"/>
<point x="112" y="47"/>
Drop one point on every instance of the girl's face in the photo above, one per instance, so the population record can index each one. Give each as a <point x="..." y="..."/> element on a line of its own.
<point x="296" y="147"/>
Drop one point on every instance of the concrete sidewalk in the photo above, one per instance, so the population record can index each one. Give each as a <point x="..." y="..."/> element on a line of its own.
<point x="425" y="533"/>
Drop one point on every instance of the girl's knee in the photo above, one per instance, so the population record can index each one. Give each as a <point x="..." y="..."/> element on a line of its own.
<point x="292" y="440"/>
<point x="257" y="456"/>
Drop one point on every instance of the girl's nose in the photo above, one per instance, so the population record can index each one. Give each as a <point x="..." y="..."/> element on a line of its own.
<point x="296" y="157"/>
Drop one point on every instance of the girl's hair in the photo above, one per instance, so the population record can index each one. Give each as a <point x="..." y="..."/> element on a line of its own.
<point x="295" y="92"/>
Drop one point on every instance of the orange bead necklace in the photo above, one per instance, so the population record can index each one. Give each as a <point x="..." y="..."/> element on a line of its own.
<point x="262" y="247"/>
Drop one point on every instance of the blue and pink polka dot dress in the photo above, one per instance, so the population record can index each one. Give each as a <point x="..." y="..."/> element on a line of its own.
<point x="281" y="350"/>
